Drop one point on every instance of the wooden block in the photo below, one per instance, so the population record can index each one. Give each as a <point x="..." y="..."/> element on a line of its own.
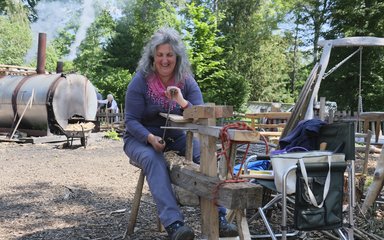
<point x="204" y="111"/>
<point x="231" y="195"/>
<point x="243" y="135"/>
<point x="223" y="111"/>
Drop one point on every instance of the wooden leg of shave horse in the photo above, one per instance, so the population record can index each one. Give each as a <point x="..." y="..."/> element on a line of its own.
<point x="242" y="225"/>
<point x="135" y="207"/>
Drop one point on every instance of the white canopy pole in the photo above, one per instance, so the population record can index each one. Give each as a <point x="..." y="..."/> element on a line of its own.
<point x="324" y="60"/>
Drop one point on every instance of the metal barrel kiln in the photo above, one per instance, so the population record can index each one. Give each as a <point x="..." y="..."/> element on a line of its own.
<point x="57" y="98"/>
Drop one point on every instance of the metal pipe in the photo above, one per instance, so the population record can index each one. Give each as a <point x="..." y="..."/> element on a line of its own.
<point x="284" y="203"/>
<point x="41" y="53"/>
<point x="59" y="67"/>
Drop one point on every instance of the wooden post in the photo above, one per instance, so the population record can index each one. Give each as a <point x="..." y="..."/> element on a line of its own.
<point x="233" y="158"/>
<point x="208" y="166"/>
<point x="322" y="108"/>
<point x="331" y="116"/>
<point x="189" y="147"/>
<point x="242" y="225"/>
<point x="135" y="206"/>
<point x="377" y="184"/>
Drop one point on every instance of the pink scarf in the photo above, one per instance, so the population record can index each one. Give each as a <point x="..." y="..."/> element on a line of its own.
<point x="156" y="91"/>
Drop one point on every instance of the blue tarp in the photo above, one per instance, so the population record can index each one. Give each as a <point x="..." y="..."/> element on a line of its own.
<point x="256" y="165"/>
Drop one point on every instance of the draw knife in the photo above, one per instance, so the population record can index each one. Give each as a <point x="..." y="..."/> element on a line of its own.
<point x="172" y="92"/>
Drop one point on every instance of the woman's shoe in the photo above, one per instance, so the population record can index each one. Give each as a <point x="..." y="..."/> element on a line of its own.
<point x="177" y="231"/>
<point x="227" y="229"/>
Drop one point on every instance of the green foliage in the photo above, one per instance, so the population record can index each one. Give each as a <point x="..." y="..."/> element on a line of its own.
<point x="112" y="134"/>
<point x="269" y="65"/>
<point x="142" y="18"/>
<point x="218" y="84"/>
<point x="15" y="37"/>
<point x="92" y="58"/>
<point x="253" y="50"/>
<point x="356" y="18"/>
<point x="65" y="37"/>
<point x="114" y="81"/>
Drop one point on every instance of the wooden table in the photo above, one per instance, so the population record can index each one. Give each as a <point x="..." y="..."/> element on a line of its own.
<point x="376" y="117"/>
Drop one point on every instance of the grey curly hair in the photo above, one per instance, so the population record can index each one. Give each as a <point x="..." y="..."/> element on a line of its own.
<point x="170" y="36"/>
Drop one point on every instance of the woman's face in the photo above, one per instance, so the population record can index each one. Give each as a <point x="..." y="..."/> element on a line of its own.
<point x="165" y="61"/>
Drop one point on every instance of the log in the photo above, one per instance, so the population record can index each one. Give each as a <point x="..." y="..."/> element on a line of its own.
<point x="244" y="195"/>
<point x="376" y="185"/>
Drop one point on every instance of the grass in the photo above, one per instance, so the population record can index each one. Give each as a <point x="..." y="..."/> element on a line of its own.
<point x="112" y="134"/>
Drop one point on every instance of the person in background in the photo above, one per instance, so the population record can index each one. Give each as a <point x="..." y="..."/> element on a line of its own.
<point x="99" y="97"/>
<point x="163" y="81"/>
<point x="111" y="105"/>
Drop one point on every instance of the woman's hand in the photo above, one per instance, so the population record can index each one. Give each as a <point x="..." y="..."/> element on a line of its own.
<point x="156" y="142"/>
<point x="175" y="94"/>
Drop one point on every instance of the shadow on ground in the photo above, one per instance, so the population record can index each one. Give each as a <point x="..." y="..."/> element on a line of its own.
<point x="46" y="211"/>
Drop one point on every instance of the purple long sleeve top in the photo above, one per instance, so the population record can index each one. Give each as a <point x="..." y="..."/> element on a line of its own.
<point x="145" y="99"/>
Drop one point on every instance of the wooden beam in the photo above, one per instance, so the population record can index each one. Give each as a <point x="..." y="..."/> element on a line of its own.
<point x="231" y="195"/>
<point x="206" y="111"/>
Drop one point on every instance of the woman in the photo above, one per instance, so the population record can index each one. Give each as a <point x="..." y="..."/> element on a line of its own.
<point x="163" y="69"/>
<point x="111" y="105"/>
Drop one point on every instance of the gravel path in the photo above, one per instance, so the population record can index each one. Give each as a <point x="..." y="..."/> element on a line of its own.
<point x="50" y="192"/>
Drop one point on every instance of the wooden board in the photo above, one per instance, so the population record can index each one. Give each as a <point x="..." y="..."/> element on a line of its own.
<point x="272" y="125"/>
<point x="270" y="134"/>
<point x="231" y="195"/>
<point x="176" y="118"/>
<point x="272" y="115"/>
<point x="205" y="111"/>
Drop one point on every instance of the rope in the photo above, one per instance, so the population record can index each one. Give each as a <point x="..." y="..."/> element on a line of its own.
<point x="226" y="144"/>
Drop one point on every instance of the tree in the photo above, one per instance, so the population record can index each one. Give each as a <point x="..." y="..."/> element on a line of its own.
<point x="218" y="84"/>
<point x="253" y="49"/>
<point x="16" y="36"/>
<point x="27" y="6"/>
<point x="141" y="19"/>
<point x="92" y="59"/>
<point x="312" y="16"/>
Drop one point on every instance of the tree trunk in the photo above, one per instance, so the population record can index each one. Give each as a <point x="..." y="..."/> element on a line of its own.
<point x="376" y="185"/>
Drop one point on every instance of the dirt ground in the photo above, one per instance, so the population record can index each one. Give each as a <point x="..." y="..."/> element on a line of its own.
<point x="50" y="192"/>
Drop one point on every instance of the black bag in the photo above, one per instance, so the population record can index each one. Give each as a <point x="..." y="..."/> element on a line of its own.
<point x="329" y="216"/>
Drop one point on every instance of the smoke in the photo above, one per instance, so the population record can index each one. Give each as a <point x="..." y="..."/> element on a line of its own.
<point x="86" y="19"/>
<point x="54" y="15"/>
